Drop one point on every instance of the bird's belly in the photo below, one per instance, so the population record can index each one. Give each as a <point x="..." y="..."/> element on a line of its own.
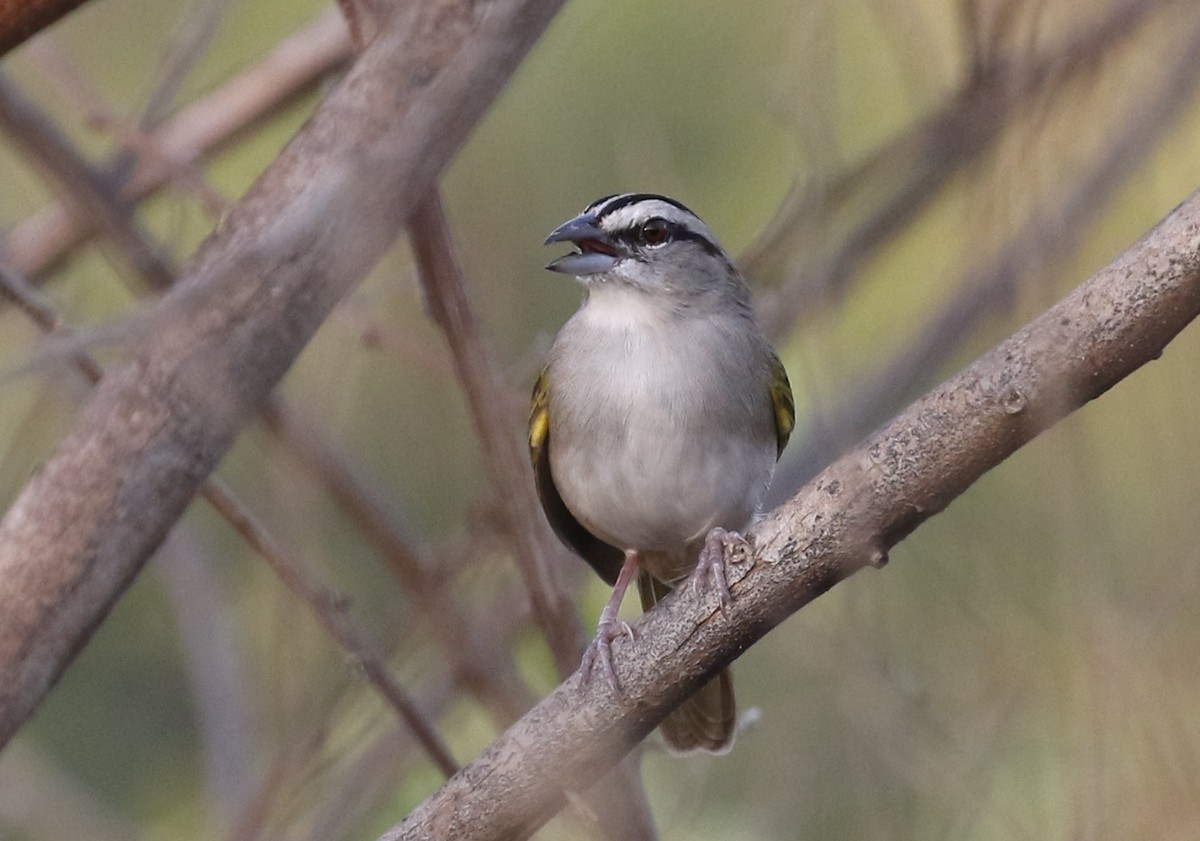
<point x="637" y="488"/>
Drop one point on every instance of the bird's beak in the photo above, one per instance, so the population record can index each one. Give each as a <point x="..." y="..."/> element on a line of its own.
<point x="598" y="252"/>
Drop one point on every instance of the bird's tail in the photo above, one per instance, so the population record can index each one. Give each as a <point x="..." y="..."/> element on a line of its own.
<point x="706" y="721"/>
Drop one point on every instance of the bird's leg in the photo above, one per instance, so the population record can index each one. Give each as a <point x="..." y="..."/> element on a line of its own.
<point x="712" y="566"/>
<point x="609" y="627"/>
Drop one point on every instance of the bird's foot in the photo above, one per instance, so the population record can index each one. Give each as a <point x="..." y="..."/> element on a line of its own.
<point x="599" y="651"/>
<point x="610" y="628"/>
<point x="711" y="566"/>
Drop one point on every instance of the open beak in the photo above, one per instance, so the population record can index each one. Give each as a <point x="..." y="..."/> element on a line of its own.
<point x="598" y="252"/>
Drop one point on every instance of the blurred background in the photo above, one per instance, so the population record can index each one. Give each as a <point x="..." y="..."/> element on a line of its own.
<point x="905" y="183"/>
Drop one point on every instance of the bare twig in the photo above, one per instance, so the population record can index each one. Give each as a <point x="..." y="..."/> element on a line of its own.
<point x="293" y="67"/>
<point x="446" y="298"/>
<point x="326" y="606"/>
<point x="482" y="665"/>
<point x="317" y="220"/>
<point x="181" y="54"/>
<point x="897" y="182"/>
<point x="43" y="143"/>
<point x="18" y="291"/>
<point x="141" y="145"/>
<point x="1048" y="233"/>
<point x="282" y="777"/>
<point x="845" y="519"/>
<point x="622" y="806"/>
<point x="330" y="612"/>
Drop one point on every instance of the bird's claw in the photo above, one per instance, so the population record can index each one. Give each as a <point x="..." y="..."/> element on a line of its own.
<point x="600" y="650"/>
<point x="711" y="566"/>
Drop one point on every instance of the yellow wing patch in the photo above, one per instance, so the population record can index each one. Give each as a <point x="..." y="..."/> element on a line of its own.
<point x="783" y="403"/>
<point x="605" y="559"/>
<point x="539" y="417"/>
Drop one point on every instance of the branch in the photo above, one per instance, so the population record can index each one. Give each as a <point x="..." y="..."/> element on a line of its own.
<point x="311" y="227"/>
<point x="898" y="181"/>
<point x="1050" y="232"/>
<point x="19" y="20"/>
<point x="487" y="671"/>
<point x="444" y="288"/>
<point x="327" y="607"/>
<point x="48" y="148"/>
<point x="482" y="665"/>
<point x="330" y="612"/>
<point x="34" y="245"/>
<point x="845" y="519"/>
<point x="621" y="806"/>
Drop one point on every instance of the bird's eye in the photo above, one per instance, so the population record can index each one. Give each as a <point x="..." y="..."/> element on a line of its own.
<point x="655" y="232"/>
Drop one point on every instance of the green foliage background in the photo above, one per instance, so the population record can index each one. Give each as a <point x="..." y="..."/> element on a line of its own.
<point x="1025" y="666"/>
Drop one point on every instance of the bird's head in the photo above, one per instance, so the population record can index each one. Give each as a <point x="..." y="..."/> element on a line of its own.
<point x="649" y="242"/>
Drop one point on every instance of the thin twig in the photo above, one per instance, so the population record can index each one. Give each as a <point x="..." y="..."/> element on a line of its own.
<point x="294" y="67"/>
<point x="71" y="85"/>
<point x="281" y="777"/>
<point x="445" y="294"/>
<point x="484" y="667"/>
<point x="329" y="610"/>
<point x="17" y="290"/>
<point x="903" y="177"/>
<point x="42" y="142"/>
<point x="1050" y="232"/>
<point x="181" y="54"/>
<point x="621" y="805"/>
<point x="327" y="607"/>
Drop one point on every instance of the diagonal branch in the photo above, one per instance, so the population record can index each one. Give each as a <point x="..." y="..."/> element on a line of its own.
<point x="483" y="667"/>
<point x="37" y="243"/>
<point x="311" y="227"/>
<point x="1049" y="233"/>
<point x="43" y="144"/>
<point x="897" y="182"/>
<point x="845" y="519"/>
<point x="321" y="599"/>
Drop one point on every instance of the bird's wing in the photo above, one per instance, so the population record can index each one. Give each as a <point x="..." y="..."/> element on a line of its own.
<point x="782" y="403"/>
<point x="602" y="557"/>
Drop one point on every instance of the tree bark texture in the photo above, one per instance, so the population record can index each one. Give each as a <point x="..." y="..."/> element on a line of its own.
<point x="256" y="290"/>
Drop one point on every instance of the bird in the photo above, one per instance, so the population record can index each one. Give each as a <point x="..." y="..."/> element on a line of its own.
<point x="656" y="422"/>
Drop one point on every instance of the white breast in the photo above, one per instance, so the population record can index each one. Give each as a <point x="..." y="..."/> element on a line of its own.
<point x="661" y="426"/>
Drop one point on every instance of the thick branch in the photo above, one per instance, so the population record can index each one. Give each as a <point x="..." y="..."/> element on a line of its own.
<point x="321" y="599"/>
<point x="318" y="219"/>
<point x="846" y="518"/>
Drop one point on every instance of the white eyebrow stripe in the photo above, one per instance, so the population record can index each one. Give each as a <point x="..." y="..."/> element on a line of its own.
<point x="632" y="215"/>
